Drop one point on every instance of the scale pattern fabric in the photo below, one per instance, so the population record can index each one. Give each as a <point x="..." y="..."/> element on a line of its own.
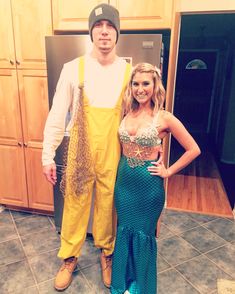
<point x="139" y="200"/>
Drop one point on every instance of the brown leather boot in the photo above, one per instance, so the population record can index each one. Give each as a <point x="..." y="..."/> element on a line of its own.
<point x="64" y="276"/>
<point x="106" y="267"/>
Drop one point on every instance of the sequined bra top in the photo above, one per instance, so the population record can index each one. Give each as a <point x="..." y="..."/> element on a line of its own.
<point x="139" y="147"/>
<point x="147" y="136"/>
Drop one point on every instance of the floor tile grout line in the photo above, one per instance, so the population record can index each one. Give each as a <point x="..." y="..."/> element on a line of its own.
<point x="218" y="266"/>
<point x="13" y="238"/>
<point x="38" y="231"/>
<point x="23" y="217"/>
<point x="215" y="248"/>
<point x="46" y="281"/>
<point x="214" y="218"/>
<point x="29" y="213"/>
<point x="28" y="260"/>
<point x="16" y="261"/>
<point x="26" y="257"/>
<point x="165" y="270"/>
<point x="220" y="246"/>
<point x="42" y="253"/>
<point x="194" y="286"/>
<point x="189" y="214"/>
<point x="52" y="223"/>
<point x="232" y="220"/>
<point x="224" y="270"/>
<point x="31" y="257"/>
<point x="180" y="235"/>
<point x="191" y="230"/>
<point x="174" y="234"/>
<point x="185" y="261"/>
<point x="158" y="254"/>
<point x="190" y="259"/>
<point x="174" y="267"/>
<point x="184" y="231"/>
<point x="216" y="234"/>
<point x="202" y="254"/>
<point x="191" y="245"/>
<point x="84" y="276"/>
<point x="86" y="266"/>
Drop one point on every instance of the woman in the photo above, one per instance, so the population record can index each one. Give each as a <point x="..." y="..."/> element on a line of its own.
<point x="139" y="191"/>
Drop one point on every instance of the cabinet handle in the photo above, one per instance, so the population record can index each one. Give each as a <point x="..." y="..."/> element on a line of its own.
<point x="20" y="144"/>
<point x="17" y="62"/>
<point x="25" y="145"/>
<point x="11" y="62"/>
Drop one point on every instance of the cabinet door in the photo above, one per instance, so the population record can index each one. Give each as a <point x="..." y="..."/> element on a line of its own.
<point x="72" y="15"/>
<point x="31" y="22"/>
<point x="195" y="6"/>
<point x="139" y="14"/>
<point x="7" y="51"/>
<point x="40" y="192"/>
<point x="13" y="189"/>
<point x="34" y="110"/>
<point x="10" y="117"/>
<point x="34" y="105"/>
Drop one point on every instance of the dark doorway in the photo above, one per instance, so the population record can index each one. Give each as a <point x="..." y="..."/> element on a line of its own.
<point x="194" y="87"/>
<point x="201" y="187"/>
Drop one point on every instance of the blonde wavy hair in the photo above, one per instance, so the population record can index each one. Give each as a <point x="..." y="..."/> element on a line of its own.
<point x="158" y="98"/>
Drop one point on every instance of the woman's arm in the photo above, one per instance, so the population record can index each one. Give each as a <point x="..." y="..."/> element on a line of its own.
<point x="179" y="132"/>
<point x="170" y="124"/>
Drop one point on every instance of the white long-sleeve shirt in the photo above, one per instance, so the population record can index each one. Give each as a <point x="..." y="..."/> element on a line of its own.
<point x="102" y="85"/>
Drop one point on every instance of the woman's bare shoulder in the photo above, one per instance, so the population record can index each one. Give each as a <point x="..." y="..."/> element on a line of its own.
<point x="164" y="114"/>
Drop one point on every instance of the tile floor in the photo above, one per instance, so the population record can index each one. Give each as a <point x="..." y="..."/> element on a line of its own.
<point x="194" y="251"/>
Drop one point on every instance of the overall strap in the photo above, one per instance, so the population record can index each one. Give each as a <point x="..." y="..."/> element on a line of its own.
<point x="124" y="84"/>
<point x="127" y="74"/>
<point x="79" y="170"/>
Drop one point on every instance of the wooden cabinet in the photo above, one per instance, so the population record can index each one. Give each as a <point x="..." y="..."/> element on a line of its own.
<point x="40" y="193"/>
<point x="13" y="184"/>
<point x="23" y="27"/>
<point x="134" y="14"/>
<point x="72" y="15"/>
<point x="24" y="107"/>
<point x="149" y="14"/>
<point x="24" y="102"/>
<point x="195" y="6"/>
<point x="7" y="50"/>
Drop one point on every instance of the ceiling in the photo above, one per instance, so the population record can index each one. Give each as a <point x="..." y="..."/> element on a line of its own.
<point x="208" y="25"/>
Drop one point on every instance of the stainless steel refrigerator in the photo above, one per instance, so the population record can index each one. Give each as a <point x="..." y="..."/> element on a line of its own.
<point x="60" y="49"/>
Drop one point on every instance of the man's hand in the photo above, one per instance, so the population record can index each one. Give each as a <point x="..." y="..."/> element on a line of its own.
<point x="50" y="173"/>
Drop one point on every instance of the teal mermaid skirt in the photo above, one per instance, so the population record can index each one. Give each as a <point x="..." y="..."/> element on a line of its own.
<point x="139" y="200"/>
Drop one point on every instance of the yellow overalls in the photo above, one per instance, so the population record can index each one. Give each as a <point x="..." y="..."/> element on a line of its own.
<point x="103" y="126"/>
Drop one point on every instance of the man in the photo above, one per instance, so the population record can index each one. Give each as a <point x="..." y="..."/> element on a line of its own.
<point x="91" y="88"/>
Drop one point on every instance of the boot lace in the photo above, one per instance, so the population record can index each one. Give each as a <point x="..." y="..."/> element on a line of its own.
<point x="108" y="262"/>
<point x="69" y="264"/>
